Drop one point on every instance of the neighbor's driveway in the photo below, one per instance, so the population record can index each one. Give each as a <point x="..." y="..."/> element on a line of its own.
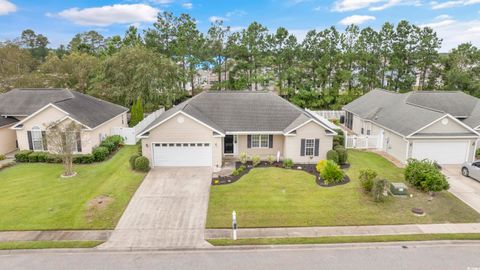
<point x="169" y="210"/>
<point x="466" y="189"/>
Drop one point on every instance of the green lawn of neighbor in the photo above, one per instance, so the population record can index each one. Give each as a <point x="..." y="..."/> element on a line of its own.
<point x="48" y="244"/>
<point x="35" y="197"/>
<point x="276" y="197"/>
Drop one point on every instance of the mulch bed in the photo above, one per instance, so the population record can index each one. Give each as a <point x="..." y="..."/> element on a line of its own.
<point x="309" y="168"/>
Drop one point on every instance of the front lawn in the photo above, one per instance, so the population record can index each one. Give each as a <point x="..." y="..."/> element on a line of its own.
<point x="34" y="197"/>
<point x="275" y="197"/>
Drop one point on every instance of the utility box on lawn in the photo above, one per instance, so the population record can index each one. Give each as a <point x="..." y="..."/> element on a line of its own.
<point x="399" y="189"/>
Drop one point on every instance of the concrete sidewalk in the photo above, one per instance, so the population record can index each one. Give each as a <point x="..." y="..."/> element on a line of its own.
<point x="290" y="232"/>
<point x="87" y="235"/>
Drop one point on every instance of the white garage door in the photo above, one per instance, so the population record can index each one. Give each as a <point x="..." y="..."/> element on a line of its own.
<point x="443" y="152"/>
<point x="182" y="154"/>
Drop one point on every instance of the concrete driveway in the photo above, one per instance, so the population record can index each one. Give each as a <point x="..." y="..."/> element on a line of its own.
<point x="466" y="189"/>
<point x="169" y="210"/>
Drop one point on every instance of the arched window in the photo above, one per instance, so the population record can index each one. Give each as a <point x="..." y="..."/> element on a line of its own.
<point x="37" y="140"/>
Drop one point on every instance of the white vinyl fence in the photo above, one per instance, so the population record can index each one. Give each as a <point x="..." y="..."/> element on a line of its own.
<point x="330" y="115"/>
<point x="130" y="134"/>
<point x="363" y="142"/>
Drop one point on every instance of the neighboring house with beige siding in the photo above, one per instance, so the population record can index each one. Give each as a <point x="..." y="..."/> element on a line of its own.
<point x="438" y="125"/>
<point x="211" y="126"/>
<point x="31" y="111"/>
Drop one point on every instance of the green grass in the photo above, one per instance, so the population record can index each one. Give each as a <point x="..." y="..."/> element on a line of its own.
<point x="275" y="197"/>
<point x="35" y="197"/>
<point x="48" y="244"/>
<point x="344" y="239"/>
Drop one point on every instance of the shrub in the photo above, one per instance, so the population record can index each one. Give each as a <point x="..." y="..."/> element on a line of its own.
<point x="53" y="158"/>
<point x="242" y="168"/>
<point x="33" y="157"/>
<point x="132" y="160"/>
<point x="332" y="155"/>
<point x="142" y="164"/>
<point x="367" y="177"/>
<point x="342" y="155"/>
<point x="320" y="165"/>
<point x="477" y="152"/>
<point x="2" y="157"/>
<point x="22" y="156"/>
<point x="338" y="140"/>
<point x="41" y="156"/>
<point x="425" y="176"/>
<point x="243" y="158"/>
<point x="287" y="163"/>
<point x="83" y="159"/>
<point x="379" y="191"/>
<point x="331" y="173"/>
<point x="109" y="145"/>
<point x="100" y="153"/>
<point x="255" y="161"/>
<point x="270" y="159"/>
<point x="116" y="139"/>
<point x="239" y="170"/>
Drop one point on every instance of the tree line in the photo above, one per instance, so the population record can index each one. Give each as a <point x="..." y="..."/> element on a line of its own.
<point x="325" y="70"/>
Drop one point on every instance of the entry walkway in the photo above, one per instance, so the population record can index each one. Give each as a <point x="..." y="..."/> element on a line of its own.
<point x="345" y="231"/>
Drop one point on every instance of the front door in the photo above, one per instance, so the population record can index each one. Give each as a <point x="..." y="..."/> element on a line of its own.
<point x="229" y="143"/>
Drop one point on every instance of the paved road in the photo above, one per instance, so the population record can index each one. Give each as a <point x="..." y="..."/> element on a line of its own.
<point x="466" y="189"/>
<point x="168" y="210"/>
<point x="393" y="256"/>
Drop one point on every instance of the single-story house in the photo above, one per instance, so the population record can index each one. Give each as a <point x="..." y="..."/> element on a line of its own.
<point x="26" y="113"/>
<point x="205" y="129"/>
<point x="442" y="126"/>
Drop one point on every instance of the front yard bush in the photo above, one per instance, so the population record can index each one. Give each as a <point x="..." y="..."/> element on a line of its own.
<point x="379" y="191"/>
<point x="342" y="154"/>
<point x="83" y="159"/>
<point x="287" y="163"/>
<point x="239" y="170"/>
<point x="243" y="157"/>
<point x="109" y="145"/>
<point x="22" y="156"/>
<point x="320" y="165"/>
<point x="100" y="153"/>
<point x="367" y="179"/>
<point x="424" y="175"/>
<point x="270" y="159"/>
<point x="331" y="173"/>
<point x="53" y="158"/>
<point x="132" y="160"/>
<point x="142" y="164"/>
<point x="332" y="155"/>
<point x="255" y="161"/>
<point x="116" y="139"/>
<point x="37" y="157"/>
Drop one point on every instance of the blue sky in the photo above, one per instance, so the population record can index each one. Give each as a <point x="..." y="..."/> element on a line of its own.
<point x="455" y="21"/>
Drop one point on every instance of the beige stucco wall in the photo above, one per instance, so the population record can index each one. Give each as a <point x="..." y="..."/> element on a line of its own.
<point x="8" y="139"/>
<point x="395" y="145"/>
<point x="451" y="127"/>
<point x="311" y="130"/>
<point x="186" y="132"/>
<point x="91" y="138"/>
<point x="278" y="142"/>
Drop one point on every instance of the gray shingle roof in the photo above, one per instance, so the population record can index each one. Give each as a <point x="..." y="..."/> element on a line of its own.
<point x="240" y="111"/>
<point x="5" y="121"/>
<point x="455" y="103"/>
<point x="86" y="109"/>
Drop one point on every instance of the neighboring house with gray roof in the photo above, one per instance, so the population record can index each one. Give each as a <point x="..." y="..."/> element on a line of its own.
<point x="438" y="125"/>
<point x="25" y="115"/>
<point x="205" y="129"/>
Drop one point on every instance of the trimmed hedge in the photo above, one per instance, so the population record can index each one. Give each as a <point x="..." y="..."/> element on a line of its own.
<point x="37" y="157"/>
<point x="83" y="159"/>
<point x="142" y="164"/>
<point x="22" y="156"/>
<point x="132" y="160"/>
<point x="100" y="153"/>
<point x="53" y="158"/>
<point x="333" y="156"/>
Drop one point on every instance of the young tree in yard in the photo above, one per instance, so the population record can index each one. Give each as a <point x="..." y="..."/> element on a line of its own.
<point x="136" y="115"/>
<point x="64" y="139"/>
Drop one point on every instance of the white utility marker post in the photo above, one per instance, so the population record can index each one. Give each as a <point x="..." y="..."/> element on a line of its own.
<point x="234" y="224"/>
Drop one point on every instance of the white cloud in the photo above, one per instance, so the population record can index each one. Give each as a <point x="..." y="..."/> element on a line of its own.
<point x="372" y="5"/>
<point x="187" y="5"/>
<point x="213" y="19"/>
<point x="161" y="2"/>
<point x="454" y="3"/>
<point x="236" y="13"/>
<point x="455" y="32"/>
<point x="107" y="15"/>
<point x="357" y="19"/>
<point x="7" y="7"/>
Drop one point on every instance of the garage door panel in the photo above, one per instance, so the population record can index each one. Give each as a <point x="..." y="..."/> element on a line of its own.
<point x="185" y="154"/>
<point x="443" y="152"/>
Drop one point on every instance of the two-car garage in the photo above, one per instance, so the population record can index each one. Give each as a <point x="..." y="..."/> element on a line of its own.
<point x="186" y="154"/>
<point x="442" y="151"/>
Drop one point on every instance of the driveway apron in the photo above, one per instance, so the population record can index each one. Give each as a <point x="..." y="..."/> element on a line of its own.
<point x="169" y="210"/>
<point x="466" y="189"/>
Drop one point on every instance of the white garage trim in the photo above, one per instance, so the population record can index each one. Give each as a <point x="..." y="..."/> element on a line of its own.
<point x="182" y="154"/>
<point x="442" y="151"/>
